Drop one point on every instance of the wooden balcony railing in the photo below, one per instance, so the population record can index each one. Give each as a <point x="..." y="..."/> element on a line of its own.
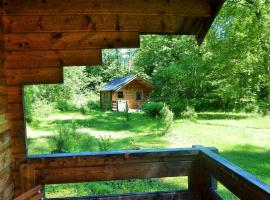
<point x="201" y="165"/>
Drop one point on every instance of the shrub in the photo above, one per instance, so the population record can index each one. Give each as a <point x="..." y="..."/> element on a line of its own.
<point x="153" y="109"/>
<point x="65" y="106"/>
<point x="166" y="118"/>
<point x="63" y="141"/>
<point x="126" y="113"/>
<point x="104" y="143"/>
<point x="178" y="107"/>
<point x="190" y="113"/>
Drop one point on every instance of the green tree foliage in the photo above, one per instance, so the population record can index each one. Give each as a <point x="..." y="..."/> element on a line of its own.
<point x="115" y="63"/>
<point x="231" y="70"/>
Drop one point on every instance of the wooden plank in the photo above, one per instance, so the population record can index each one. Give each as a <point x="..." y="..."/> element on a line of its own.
<point x="113" y="157"/>
<point x="4" y="141"/>
<point x="112" y="172"/>
<point x="176" y="195"/>
<point x="5" y="159"/>
<point x="98" y="22"/>
<point x="15" y="111"/>
<point x="7" y="194"/>
<point x="18" y="77"/>
<point x="18" y="145"/>
<point x="151" y="7"/>
<point x="17" y="128"/>
<point x="34" y="194"/>
<point x="57" y="58"/>
<point x="207" y="22"/>
<point x="3" y="104"/>
<point x="238" y="181"/>
<point x="68" y="41"/>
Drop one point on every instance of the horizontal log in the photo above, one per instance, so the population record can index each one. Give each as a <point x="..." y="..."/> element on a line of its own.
<point x="176" y="195"/>
<point x="18" y="77"/>
<point x="17" y="128"/>
<point x="5" y="159"/>
<point x="112" y="172"/>
<point x="3" y="104"/>
<point x="68" y="41"/>
<point x="113" y="157"/>
<point x="149" y="7"/>
<point x="8" y="192"/>
<point x="15" y="111"/>
<point x="5" y="180"/>
<point x="170" y="24"/>
<point x="57" y="58"/>
<point x="4" y="141"/>
<point x="18" y="145"/>
<point x="238" y="181"/>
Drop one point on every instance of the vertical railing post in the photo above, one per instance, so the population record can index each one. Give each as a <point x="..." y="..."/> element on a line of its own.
<point x="199" y="181"/>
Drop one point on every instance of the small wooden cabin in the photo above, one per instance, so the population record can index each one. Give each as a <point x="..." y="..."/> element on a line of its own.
<point x="131" y="91"/>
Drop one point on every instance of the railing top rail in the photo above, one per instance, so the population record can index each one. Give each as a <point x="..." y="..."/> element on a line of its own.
<point x="233" y="177"/>
<point x="125" y="153"/>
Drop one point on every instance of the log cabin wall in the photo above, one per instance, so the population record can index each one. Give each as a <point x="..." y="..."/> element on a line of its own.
<point x="6" y="178"/>
<point x="39" y="37"/>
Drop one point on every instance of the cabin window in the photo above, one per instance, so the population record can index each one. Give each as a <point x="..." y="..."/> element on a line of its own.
<point x="139" y="95"/>
<point x="120" y="95"/>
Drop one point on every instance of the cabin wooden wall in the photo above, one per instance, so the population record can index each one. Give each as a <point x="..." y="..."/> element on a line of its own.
<point x="6" y="178"/>
<point x="130" y="94"/>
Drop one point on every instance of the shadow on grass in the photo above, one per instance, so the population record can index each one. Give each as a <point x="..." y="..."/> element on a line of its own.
<point x="221" y="116"/>
<point x="113" y="121"/>
<point x="254" y="159"/>
<point x="115" y="187"/>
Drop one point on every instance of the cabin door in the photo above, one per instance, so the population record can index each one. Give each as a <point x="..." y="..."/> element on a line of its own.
<point x="139" y="99"/>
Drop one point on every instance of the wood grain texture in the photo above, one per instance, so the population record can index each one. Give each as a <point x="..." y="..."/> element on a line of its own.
<point x="238" y="181"/>
<point x="18" y="77"/>
<point x="170" y="24"/>
<point x="36" y="193"/>
<point x="119" y="165"/>
<point x="113" y="172"/>
<point x="56" y="58"/>
<point x="68" y="41"/>
<point x="149" y="7"/>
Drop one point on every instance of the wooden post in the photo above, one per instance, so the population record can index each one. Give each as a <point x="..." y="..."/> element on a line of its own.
<point x="199" y="181"/>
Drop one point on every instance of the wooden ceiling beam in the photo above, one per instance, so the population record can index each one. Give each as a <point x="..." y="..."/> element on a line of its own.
<point x="57" y="58"/>
<point x="68" y="41"/>
<point x="98" y="22"/>
<point x="185" y="8"/>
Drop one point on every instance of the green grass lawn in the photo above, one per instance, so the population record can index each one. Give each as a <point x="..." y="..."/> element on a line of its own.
<point x="244" y="139"/>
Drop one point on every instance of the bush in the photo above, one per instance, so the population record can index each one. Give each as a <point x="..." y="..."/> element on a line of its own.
<point x="65" y="106"/>
<point x="178" y="107"/>
<point x="166" y="118"/>
<point x="64" y="139"/>
<point x="126" y="113"/>
<point x="104" y="143"/>
<point x="190" y="113"/>
<point x="153" y="109"/>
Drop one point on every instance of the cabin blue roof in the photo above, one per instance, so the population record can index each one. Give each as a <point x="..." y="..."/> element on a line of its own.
<point x="117" y="83"/>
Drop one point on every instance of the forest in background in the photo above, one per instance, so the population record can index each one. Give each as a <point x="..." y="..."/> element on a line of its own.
<point x="230" y="71"/>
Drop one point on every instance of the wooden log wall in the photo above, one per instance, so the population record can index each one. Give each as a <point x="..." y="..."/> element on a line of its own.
<point x="6" y="178"/>
<point x="39" y="37"/>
